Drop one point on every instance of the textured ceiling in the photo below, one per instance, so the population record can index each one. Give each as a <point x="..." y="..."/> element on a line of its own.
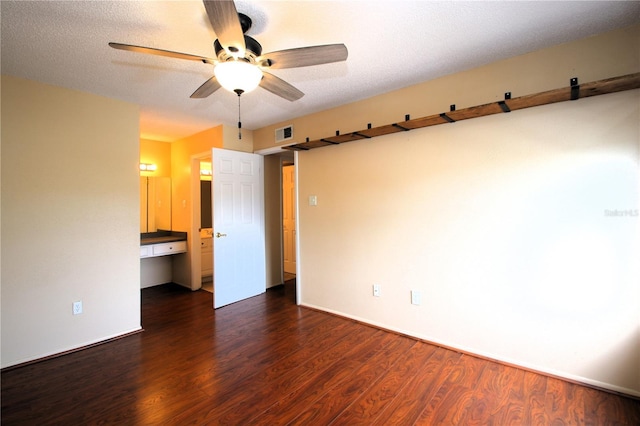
<point x="392" y="44"/>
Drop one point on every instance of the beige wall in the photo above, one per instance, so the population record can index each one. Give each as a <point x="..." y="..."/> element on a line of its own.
<point x="70" y="217"/>
<point x="233" y="142"/>
<point x="500" y="222"/>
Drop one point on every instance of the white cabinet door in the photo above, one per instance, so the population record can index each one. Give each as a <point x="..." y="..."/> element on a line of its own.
<point x="206" y="254"/>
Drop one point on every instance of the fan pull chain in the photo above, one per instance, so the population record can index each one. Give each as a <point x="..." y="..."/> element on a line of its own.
<point x="239" y="92"/>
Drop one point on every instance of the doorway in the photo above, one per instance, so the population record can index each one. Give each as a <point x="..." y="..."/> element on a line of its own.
<point x="200" y="170"/>
<point x="206" y="225"/>
<point x="289" y="228"/>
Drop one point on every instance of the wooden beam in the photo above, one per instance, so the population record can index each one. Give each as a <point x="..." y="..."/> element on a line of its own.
<point x="594" y="88"/>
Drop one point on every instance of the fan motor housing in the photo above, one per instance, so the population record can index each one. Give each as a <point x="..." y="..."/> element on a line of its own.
<point x="253" y="50"/>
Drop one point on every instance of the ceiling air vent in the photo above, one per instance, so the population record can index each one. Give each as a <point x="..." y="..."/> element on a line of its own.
<point x="284" y="133"/>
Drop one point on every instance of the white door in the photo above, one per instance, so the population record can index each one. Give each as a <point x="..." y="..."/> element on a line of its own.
<point x="238" y="226"/>
<point x="289" y="218"/>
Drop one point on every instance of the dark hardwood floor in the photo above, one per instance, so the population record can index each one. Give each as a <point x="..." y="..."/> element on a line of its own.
<point x="265" y="361"/>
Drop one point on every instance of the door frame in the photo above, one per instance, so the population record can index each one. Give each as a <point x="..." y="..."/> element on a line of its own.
<point x="297" y="237"/>
<point x="285" y="162"/>
<point x="277" y="150"/>
<point x="297" y="207"/>
<point x="195" y="246"/>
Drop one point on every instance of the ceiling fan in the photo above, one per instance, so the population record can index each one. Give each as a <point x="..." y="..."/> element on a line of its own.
<point x="239" y="65"/>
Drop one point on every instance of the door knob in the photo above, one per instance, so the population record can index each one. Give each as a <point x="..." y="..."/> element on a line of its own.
<point x="218" y="235"/>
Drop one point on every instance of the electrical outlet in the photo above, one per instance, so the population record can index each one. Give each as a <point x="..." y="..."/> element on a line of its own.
<point x="77" y="307"/>
<point x="416" y="297"/>
<point x="376" y="290"/>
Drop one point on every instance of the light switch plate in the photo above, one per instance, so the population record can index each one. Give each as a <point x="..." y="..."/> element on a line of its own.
<point x="313" y="200"/>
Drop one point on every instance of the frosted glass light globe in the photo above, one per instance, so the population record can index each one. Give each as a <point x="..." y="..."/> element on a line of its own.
<point x="238" y="76"/>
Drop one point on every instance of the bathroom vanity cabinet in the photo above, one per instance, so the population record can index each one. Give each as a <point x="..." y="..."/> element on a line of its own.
<point x="157" y="252"/>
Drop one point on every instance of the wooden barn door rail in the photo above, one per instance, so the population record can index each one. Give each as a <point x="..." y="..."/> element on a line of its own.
<point x="573" y="92"/>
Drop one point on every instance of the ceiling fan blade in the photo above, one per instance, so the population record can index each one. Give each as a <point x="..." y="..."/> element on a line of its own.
<point x="226" y="24"/>
<point x="207" y="88"/>
<point x="279" y="87"/>
<point x="160" y="52"/>
<point x="304" y="56"/>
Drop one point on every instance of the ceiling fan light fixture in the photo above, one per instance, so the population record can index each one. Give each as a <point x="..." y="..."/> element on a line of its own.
<point x="238" y="76"/>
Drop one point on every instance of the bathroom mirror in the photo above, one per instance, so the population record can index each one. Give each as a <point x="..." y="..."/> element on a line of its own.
<point x="155" y="204"/>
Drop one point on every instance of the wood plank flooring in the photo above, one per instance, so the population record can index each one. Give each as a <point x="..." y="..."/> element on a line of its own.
<point x="266" y="361"/>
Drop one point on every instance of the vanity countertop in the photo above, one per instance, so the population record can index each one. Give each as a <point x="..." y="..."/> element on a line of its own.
<point x="160" y="236"/>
